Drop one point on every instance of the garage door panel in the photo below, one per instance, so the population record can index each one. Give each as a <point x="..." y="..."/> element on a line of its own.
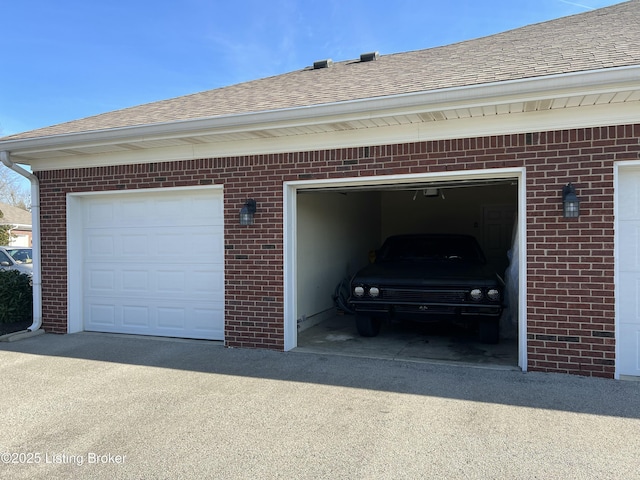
<point x="98" y="212"/>
<point x="154" y="265"/>
<point x="135" y="280"/>
<point x="629" y="196"/>
<point x="171" y="244"/>
<point x="201" y="316"/>
<point x="171" y="282"/>
<point x="134" y="244"/>
<point x="100" y="244"/>
<point x="153" y="241"/>
<point x="101" y="315"/>
<point x="166" y="209"/>
<point x="166" y="280"/>
<point x="629" y="291"/>
<point x="102" y="280"/>
<point x="203" y="243"/>
<point x="130" y="211"/>
<point x="135" y="316"/>
<point x="171" y="317"/>
<point x="205" y="282"/>
<point x="629" y="249"/>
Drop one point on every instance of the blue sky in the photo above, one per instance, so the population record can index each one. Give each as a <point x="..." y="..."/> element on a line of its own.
<point x="66" y="59"/>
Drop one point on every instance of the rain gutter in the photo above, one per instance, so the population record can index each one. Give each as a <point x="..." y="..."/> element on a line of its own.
<point x="525" y="89"/>
<point x="5" y="157"/>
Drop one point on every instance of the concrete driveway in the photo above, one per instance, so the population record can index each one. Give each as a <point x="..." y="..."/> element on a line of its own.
<point x="105" y="406"/>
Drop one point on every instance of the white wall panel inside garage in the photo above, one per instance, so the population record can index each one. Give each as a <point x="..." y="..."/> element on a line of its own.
<point x="628" y="271"/>
<point x="148" y="263"/>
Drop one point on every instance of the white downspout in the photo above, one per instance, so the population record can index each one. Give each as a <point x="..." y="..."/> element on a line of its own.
<point x="35" y="220"/>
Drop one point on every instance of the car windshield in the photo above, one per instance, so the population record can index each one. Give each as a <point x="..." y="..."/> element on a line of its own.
<point x="4" y="259"/>
<point x="20" y="255"/>
<point x="431" y="248"/>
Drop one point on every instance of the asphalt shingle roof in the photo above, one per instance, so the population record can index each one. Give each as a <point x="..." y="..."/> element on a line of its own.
<point x="14" y="215"/>
<point x="598" y="39"/>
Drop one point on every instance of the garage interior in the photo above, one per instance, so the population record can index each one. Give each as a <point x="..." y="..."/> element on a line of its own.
<point x="338" y="227"/>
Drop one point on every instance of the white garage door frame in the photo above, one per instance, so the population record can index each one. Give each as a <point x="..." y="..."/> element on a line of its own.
<point x="75" y="232"/>
<point x="290" y="236"/>
<point x="626" y="349"/>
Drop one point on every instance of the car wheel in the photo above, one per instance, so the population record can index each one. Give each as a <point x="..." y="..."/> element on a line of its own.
<point x="367" y="326"/>
<point x="489" y="330"/>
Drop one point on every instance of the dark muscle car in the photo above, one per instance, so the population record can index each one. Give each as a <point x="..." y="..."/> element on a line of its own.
<point x="428" y="277"/>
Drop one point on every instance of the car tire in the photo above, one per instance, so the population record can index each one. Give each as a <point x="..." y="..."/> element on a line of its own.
<point x="367" y="326"/>
<point x="489" y="331"/>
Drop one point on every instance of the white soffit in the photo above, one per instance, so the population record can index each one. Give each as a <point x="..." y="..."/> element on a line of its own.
<point x="604" y="97"/>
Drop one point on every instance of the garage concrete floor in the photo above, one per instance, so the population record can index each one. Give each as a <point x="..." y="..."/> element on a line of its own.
<point x="413" y="342"/>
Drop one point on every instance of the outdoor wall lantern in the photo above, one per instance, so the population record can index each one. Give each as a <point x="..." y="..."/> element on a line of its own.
<point x="247" y="212"/>
<point x="570" y="202"/>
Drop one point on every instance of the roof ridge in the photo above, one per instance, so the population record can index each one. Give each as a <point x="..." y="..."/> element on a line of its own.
<point x="490" y="35"/>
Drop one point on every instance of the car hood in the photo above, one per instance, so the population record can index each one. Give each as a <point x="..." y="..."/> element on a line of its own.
<point x="21" y="267"/>
<point x="427" y="273"/>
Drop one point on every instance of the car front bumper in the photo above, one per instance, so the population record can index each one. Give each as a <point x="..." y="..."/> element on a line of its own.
<point x="423" y="311"/>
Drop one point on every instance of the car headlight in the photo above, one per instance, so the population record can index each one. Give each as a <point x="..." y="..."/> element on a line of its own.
<point x="476" y="294"/>
<point x="493" y="294"/>
<point x="374" y="292"/>
<point x="358" y="291"/>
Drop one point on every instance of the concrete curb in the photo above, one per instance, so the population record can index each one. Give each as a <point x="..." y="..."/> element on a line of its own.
<point x="15" y="336"/>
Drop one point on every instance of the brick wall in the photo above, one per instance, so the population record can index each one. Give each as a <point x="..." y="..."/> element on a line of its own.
<point x="570" y="298"/>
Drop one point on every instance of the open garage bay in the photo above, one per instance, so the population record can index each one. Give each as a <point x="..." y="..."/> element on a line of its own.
<point x="413" y="342"/>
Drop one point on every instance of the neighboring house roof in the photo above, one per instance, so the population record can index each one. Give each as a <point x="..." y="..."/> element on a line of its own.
<point x="14" y="216"/>
<point x="595" y="40"/>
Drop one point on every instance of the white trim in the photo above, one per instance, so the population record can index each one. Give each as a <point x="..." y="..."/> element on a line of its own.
<point x="75" y="290"/>
<point x="514" y="123"/>
<point x="522" y="270"/>
<point x="134" y="191"/>
<point x="617" y="167"/>
<point x="20" y="226"/>
<point x="290" y="250"/>
<point x="524" y="89"/>
<point x="291" y="188"/>
<point x="75" y="293"/>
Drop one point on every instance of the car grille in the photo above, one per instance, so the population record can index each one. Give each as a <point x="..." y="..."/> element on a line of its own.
<point x="426" y="296"/>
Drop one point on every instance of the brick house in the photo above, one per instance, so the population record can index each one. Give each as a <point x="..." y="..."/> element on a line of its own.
<point x="139" y="208"/>
<point x="19" y="222"/>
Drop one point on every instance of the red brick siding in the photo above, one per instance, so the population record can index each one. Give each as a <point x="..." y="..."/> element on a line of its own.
<point x="570" y="276"/>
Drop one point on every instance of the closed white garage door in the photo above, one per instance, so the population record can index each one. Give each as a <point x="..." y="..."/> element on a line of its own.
<point x="628" y="267"/>
<point x="152" y="263"/>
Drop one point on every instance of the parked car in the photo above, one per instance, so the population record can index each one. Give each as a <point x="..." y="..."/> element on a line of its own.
<point x="16" y="258"/>
<point x="21" y="254"/>
<point x="428" y="277"/>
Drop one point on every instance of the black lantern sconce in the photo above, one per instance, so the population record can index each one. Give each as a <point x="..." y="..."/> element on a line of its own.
<point x="247" y="212"/>
<point x="570" y="202"/>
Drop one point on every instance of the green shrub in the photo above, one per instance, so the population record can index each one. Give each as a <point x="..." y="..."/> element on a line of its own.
<point x="16" y="297"/>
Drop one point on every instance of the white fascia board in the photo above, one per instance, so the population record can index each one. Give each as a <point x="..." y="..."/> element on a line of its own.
<point x="597" y="81"/>
<point x="526" y="122"/>
<point x="17" y="226"/>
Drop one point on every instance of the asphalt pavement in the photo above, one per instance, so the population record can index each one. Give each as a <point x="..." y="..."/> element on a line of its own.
<point x="108" y="406"/>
